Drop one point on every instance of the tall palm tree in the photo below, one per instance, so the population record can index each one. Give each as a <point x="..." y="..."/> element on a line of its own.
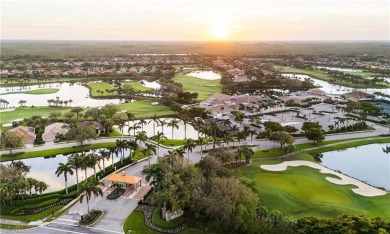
<point x="88" y="188"/>
<point x="174" y="123"/>
<point x="92" y="160"/>
<point x="162" y="123"/>
<point x="104" y="155"/>
<point x="189" y="145"/>
<point x="148" y="150"/>
<point x="121" y="145"/>
<point x="112" y="151"/>
<point x="201" y="141"/>
<point x="155" y="120"/>
<point x="141" y="137"/>
<point x="132" y="146"/>
<point x="65" y="169"/>
<point x="158" y="138"/>
<point x="143" y="122"/>
<point x="77" y="162"/>
<point x="198" y="125"/>
<point x="186" y="120"/>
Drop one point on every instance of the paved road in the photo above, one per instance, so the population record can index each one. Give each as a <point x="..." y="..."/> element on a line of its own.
<point x="117" y="211"/>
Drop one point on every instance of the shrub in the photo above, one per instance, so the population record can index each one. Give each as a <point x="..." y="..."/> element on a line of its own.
<point x="116" y="193"/>
<point x="89" y="218"/>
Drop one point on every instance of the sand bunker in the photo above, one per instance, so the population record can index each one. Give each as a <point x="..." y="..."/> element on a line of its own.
<point x="362" y="188"/>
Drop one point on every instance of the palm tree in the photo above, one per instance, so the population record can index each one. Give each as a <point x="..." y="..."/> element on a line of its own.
<point x="132" y="146"/>
<point x="135" y="127"/>
<point x="112" y="151"/>
<point x="162" y="123"/>
<point x="245" y="151"/>
<point x="88" y="188"/>
<point x="201" y="141"/>
<point x="186" y="120"/>
<point x="65" y="169"/>
<point x="91" y="161"/>
<point x="141" y="137"/>
<point x="158" y="138"/>
<point x="198" y="125"/>
<point x="41" y="186"/>
<point x="189" y="145"/>
<point x="143" y="122"/>
<point x="121" y="145"/>
<point x="77" y="162"/>
<point x="104" y="155"/>
<point x="155" y="120"/>
<point x="148" y="150"/>
<point x="174" y="123"/>
<point x="32" y="183"/>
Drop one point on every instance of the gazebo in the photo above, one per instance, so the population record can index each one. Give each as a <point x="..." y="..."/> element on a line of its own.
<point x="124" y="181"/>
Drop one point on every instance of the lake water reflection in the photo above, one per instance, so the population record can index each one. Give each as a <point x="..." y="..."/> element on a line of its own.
<point x="44" y="169"/>
<point x="76" y="92"/>
<point x="367" y="163"/>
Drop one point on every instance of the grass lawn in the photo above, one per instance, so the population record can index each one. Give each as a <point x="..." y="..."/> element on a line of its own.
<point x="27" y="112"/>
<point x="172" y="142"/>
<point x="304" y="191"/>
<point x="33" y="217"/>
<point x="9" y="226"/>
<point x="145" y="109"/>
<point x="102" y="86"/>
<point x="50" y="152"/>
<point x="135" y="85"/>
<point x="35" y="91"/>
<point x="205" y="88"/>
<point x="135" y="224"/>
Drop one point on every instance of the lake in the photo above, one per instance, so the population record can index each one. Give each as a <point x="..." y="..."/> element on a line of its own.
<point x="76" y="92"/>
<point x="333" y="88"/>
<point x="206" y="75"/>
<point x="367" y="163"/>
<point x="44" y="169"/>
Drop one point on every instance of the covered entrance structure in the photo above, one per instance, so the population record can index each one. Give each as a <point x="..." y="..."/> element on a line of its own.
<point x="124" y="181"/>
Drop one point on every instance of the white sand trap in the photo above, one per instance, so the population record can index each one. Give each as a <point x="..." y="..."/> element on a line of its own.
<point x="362" y="188"/>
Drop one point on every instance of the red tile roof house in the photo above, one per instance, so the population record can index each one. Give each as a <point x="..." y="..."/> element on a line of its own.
<point x="95" y="124"/>
<point x="27" y="132"/>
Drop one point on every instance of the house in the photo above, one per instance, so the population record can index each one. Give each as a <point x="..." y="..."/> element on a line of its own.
<point x="99" y="129"/>
<point x="27" y="132"/>
<point x="54" y="130"/>
<point x="357" y="95"/>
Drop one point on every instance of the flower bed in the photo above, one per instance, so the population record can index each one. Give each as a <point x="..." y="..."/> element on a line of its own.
<point x="40" y="209"/>
<point x="90" y="218"/>
<point x="116" y="193"/>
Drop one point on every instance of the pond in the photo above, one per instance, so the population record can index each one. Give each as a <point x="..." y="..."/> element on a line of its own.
<point x="332" y="88"/>
<point x="177" y="133"/>
<point x="67" y="91"/>
<point x="44" y="169"/>
<point x="340" y="69"/>
<point x="367" y="163"/>
<point x="206" y="75"/>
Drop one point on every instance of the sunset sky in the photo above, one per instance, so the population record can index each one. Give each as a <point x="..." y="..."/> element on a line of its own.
<point x="195" y="20"/>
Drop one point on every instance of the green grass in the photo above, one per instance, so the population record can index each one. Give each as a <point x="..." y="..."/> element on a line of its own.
<point x="9" y="226"/>
<point x="102" y="86"/>
<point x="144" y="109"/>
<point x="35" y="91"/>
<point x="33" y="217"/>
<point x="51" y="152"/>
<point x="205" y="88"/>
<point x="136" y="85"/>
<point x="36" y="205"/>
<point x="304" y="191"/>
<point x="159" y="221"/>
<point x="172" y="142"/>
<point x="27" y="112"/>
<point x="135" y="224"/>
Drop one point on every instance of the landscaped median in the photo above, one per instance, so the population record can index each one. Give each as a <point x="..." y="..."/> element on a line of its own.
<point x="91" y="218"/>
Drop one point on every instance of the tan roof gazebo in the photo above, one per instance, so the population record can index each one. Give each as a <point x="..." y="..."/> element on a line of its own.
<point x="124" y="181"/>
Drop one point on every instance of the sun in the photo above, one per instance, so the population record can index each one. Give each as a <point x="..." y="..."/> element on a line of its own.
<point x="220" y="28"/>
<point x="220" y="33"/>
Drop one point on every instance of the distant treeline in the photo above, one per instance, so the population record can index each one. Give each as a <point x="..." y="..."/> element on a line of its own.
<point x="63" y="49"/>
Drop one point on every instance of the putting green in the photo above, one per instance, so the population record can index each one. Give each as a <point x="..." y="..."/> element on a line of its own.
<point x="303" y="187"/>
<point x="205" y="88"/>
